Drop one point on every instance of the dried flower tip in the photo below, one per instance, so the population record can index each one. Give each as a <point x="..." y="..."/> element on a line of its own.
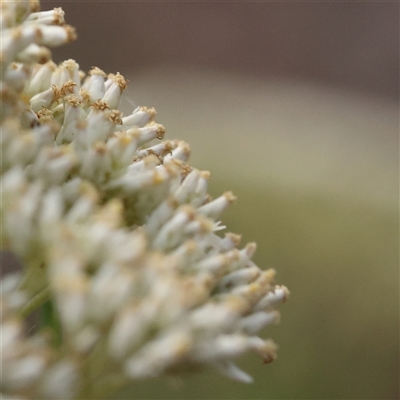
<point x="52" y="17"/>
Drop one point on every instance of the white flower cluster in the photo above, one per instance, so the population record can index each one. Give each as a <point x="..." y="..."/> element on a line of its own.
<point x="113" y="229"/>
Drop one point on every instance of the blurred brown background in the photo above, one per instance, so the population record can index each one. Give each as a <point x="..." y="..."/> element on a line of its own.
<point x="346" y="44"/>
<point x="293" y="106"/>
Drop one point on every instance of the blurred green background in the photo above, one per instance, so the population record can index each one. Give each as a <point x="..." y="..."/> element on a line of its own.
<point x="294" y="107"/>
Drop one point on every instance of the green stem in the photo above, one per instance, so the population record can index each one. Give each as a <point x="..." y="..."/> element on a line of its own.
<point x="35" y="302"/>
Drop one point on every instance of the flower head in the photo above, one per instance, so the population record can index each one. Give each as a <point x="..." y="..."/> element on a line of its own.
<point x="115" y="231"/>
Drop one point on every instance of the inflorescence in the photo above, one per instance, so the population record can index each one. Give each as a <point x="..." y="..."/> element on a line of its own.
<point x="116" y="234"/>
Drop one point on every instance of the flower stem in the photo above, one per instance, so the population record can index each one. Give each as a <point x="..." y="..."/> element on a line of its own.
<point x="35" y="302"/>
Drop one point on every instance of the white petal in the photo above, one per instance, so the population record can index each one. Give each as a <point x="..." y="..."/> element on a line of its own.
<point x="231" y="370"/>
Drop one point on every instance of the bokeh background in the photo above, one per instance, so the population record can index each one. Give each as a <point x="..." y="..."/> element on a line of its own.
<point x="293" y="106"/>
